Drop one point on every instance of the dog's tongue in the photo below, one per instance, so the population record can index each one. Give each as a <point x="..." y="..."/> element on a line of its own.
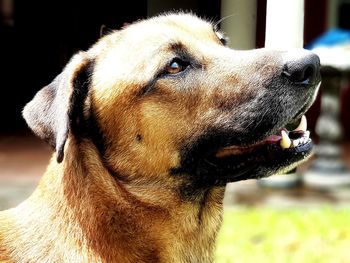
<point x="273" y="138"/>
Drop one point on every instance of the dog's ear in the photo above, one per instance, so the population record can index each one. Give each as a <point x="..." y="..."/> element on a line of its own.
<point x="51" y="112"/>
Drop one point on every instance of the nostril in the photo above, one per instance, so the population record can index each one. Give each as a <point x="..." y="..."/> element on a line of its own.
<point x="309" y="73"/>
<point x="303" y="69"/>
<point x="300" y="75"/>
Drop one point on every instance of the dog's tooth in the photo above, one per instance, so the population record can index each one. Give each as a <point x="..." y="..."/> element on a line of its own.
<point x="302" y="140"/>
<point x="296" y="142"/>
<point x="302" y="125"/>
<point x="285" y="141"/>
<point x="307" y="134"/>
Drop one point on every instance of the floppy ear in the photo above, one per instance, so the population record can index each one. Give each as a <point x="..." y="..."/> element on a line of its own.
<point x="50" y="113"/>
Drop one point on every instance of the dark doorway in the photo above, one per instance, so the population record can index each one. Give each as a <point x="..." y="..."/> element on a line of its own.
<point x="41" y="36"/>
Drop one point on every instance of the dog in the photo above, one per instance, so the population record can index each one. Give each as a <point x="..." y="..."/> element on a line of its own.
<point x="148" y="126"/>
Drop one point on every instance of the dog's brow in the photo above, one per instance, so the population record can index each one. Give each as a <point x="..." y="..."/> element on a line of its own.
<point x="180" y="49"/>
<point x="177" y="46"/>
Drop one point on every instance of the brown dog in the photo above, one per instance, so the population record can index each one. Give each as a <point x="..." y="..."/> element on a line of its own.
<point x="148" y="127"/>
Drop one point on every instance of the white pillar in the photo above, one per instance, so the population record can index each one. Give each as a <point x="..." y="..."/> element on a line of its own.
<point x="284" y="24"/>
<point x="240" y="24"/>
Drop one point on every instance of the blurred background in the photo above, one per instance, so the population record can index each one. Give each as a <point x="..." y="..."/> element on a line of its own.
<point x="304" y="218"/>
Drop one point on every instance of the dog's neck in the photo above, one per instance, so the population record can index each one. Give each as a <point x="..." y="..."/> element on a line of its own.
<point x="84" y="206"/>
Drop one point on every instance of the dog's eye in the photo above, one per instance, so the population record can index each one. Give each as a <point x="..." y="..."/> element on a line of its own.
<point x="176" y="66"/>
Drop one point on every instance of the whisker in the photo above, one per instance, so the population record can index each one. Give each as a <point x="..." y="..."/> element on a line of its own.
<point x="216" y="25"/>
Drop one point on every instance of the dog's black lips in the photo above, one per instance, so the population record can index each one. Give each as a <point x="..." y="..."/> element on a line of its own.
<point x="259" y="158"/>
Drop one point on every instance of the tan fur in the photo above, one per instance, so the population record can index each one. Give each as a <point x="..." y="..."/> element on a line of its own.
<point x="80" y="212"/>
<point x="93" y="218"/>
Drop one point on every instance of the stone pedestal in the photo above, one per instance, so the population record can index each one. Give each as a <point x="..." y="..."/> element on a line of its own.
<point x="328" y="170"/>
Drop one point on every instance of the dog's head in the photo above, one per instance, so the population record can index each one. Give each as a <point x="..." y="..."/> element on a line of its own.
<point x="165" y="100"/>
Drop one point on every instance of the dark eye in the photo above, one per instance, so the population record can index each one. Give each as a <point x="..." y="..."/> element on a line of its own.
<point x="224" y="41"/>
<point x="176" y="66"/>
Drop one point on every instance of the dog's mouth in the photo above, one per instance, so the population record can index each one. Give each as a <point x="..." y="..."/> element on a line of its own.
<point x="273" y="154"/>
<point x="297" y="140"/>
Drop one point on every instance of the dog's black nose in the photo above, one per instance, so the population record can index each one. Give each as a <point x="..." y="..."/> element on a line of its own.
<point x="301" y="66"/>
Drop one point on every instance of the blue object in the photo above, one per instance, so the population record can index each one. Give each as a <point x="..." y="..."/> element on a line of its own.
<point x="333" y="37"/>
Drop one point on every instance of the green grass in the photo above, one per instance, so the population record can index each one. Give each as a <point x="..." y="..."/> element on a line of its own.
<point x="285" y="236"/>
